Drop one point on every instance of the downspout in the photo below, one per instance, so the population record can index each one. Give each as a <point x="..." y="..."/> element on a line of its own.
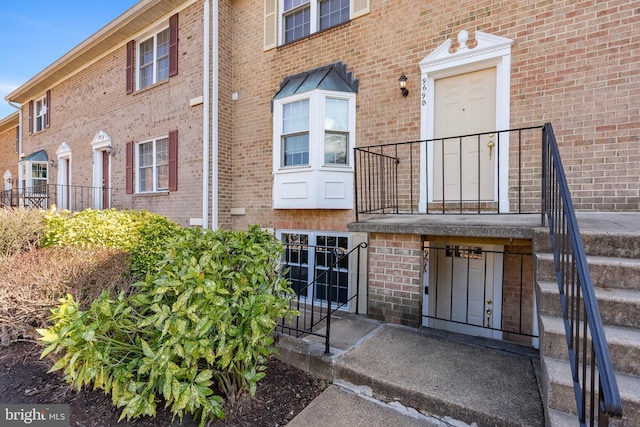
<point x="215" y="118"/>
<point x="19" y="108"/>
<point x="205" y="120"/>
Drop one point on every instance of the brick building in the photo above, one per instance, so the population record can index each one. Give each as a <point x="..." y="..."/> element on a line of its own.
<point x="9" y="134"/>
<point x="119" y="117"/>
<point x="278" y="107"/>
<point x="523" y="63"/>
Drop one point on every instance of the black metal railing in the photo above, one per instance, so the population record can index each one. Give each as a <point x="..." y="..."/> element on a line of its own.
<point x="591" y="366"/>
<point x="70" y="197"/>
<point x="334" y="287"/>
<point x="476" y="307"/>
<point x="430" y="176"/>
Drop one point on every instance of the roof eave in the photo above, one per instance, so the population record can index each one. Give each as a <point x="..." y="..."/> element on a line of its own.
<point x="118" y="31"/>
<point x="9" y="122"/>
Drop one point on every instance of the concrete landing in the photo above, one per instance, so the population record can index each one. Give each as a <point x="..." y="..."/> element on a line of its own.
<point x="445" y="378"/>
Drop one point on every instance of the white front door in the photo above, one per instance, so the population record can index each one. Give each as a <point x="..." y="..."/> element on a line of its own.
<point x="464" y="169"/>
<point x="464" y="289"/>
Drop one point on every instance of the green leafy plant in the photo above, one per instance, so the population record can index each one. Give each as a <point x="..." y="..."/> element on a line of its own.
<point x="203" y="321"/>
<point x="140" y="233"/>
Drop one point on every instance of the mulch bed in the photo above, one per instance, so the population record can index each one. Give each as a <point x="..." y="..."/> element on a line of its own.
<point x="280" y="396"/>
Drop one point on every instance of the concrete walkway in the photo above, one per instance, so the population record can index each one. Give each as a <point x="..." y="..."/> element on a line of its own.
<point x="387" y="375"/>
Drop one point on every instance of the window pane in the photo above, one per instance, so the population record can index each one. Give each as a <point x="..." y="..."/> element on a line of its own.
<point x="336" y="114"/>
<point x="162" y="151"/>
<point x="146" y="179"/>
<point x="295" y="116"/>
<point x="162" y="164"/>
<point x="145" y="154"/>
<point x="335" y="148"/>
<point x="290" y="4"/>
<point x="296" y="150"/>
<point x="333" y="12"/>
<point x="297" y="25"/>
<point x="296" y="261"/>
<point x="163" y="69"/>
<point x="162" y="55"/>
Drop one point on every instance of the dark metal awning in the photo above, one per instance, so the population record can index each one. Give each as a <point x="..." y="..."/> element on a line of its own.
<point x="38" y="156"/>
<point x="329" y="77"/>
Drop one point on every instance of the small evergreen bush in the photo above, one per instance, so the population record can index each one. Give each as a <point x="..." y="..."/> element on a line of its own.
<point x="197" y="328"/>
<point x="140" y="233"/>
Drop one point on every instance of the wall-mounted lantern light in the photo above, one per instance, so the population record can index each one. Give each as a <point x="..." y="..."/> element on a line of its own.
<point x="402" y="81"/>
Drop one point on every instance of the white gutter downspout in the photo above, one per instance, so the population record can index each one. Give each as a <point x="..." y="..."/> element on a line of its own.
<point x="205" y="120"/>
<point x="19" y="108"/>
<point x="215" y="118"/>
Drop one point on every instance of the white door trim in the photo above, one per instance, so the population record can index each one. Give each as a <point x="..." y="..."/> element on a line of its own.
<point x="64" y="175"/>
<point x="100" y="142"/>
<point x="490" y="51"/>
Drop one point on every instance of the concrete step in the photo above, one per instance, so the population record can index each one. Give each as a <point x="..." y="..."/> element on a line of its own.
<point x="606" y="272"/>
<point x="561" y="419"/>
<point x="560" y="395"/>
<point x="597" y="243"/>
<point x="618" y="307"/>
<point x="624" y="344"/>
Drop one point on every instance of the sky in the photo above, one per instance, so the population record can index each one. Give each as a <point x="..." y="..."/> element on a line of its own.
<point x="35" y="33"/>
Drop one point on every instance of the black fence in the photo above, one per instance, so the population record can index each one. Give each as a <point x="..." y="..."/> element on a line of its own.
<point x="326" y="280"/>
<point x="70" y="197"/>
<point x="462" y="174"/>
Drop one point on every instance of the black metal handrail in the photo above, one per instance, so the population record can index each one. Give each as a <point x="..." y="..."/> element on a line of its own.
<point x="579" y="305"/>
<point x="393" y="178"/>
<point x="70" y="197"/>
<point x="309" y="317"/>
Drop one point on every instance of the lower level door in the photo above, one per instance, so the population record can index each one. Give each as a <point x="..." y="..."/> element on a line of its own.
<point x="463" y="288"/>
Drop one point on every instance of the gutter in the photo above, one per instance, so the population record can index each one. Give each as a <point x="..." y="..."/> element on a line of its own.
<point x="19" y="108"/>
<point x="215" y="118"/>
<point x="205" y="119"/>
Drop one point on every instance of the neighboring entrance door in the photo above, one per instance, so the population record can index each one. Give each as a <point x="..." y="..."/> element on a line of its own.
<point x="105" y="180"/>
<point x="464" y="169"/>
<point x="464" y="289"/>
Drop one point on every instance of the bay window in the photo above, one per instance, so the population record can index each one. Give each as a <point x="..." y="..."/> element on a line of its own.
<point x="313" y="140"/>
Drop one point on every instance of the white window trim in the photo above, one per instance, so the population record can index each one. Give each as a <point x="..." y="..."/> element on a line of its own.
<point x="154" y="165"/>
<point x="315" y="18"/>
<point x="26" y="174"/>
<point x="312" y="235"/>
<point x="316" y="131"/>
<point x="146" y="36"/>
<point x="41" y="114"/>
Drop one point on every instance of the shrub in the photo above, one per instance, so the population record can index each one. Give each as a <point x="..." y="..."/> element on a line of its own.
<point x="140" y="233"/>
<point x="205" y="315"/>
<point x="20" y="231"/>
<point x="33" y="282"/>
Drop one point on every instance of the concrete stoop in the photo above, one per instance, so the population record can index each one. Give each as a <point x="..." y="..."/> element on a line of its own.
<point x="614" y="263"/>
<point x="472" y="382"/>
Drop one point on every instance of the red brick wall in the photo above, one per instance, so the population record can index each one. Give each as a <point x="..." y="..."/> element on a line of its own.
<point x="8" y="153"/>
<point x="517" y="293"/>
<point x="95" y="100"/>
<point x="573" y="64"/>
<point x="395" y="278"/>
